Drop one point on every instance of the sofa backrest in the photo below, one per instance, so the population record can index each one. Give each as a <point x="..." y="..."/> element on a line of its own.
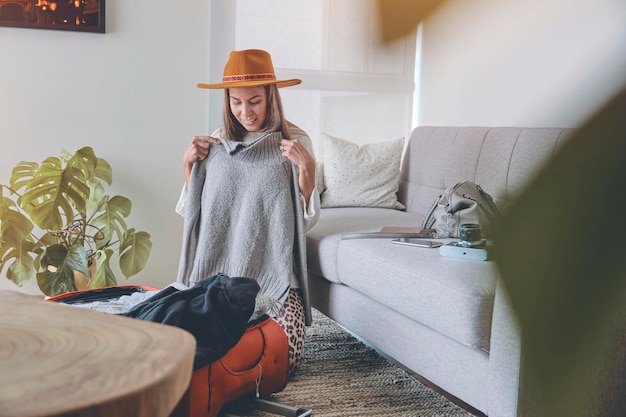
<point x="500" y="159"/>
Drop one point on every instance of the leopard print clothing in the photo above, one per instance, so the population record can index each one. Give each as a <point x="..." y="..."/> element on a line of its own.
<point x="291" y="319"/>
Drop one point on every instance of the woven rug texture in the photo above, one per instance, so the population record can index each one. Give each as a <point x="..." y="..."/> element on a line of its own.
<point x="342" y="377"/>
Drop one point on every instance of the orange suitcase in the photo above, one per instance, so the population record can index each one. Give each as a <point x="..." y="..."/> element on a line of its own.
<point x="257" y="365"/>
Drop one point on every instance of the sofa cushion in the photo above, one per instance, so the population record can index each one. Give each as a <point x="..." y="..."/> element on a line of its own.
<point x="324" y="238"/>
<point x="361" y="175"/>
<point x="452" y="296"/>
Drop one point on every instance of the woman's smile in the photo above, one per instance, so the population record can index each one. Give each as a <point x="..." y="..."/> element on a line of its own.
<point x="249" y="106"/>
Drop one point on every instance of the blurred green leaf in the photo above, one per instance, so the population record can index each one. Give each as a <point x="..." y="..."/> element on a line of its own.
<point x="560" y="248"/>
<point x="110" y="220"/>
<point x="54" y="194"/>
<point x="59" y="264"/>
<point x="14" y="226"/>
<point x="134" y="252"/>
<point x="104" y="274"/>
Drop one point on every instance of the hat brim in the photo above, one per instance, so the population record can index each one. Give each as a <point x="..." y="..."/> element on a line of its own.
<point x="252" y="83"/>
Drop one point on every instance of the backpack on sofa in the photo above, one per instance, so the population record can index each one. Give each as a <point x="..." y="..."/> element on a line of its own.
<point x="465" y="202"/>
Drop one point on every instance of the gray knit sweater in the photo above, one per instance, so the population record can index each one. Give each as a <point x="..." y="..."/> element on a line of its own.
<point x="244" y="218"/>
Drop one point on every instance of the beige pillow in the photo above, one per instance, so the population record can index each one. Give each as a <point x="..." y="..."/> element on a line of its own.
<point x="361" y="175"/>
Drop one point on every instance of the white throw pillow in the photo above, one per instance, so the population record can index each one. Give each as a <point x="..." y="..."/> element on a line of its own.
<point x="361" y="175"/>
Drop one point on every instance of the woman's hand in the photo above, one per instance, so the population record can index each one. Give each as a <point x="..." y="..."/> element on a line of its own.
<point x="197" y="150"/>
<point x="297" y="153"/>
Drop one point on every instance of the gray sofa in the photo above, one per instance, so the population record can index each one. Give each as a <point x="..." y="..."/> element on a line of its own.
<point x="444" y="319"/>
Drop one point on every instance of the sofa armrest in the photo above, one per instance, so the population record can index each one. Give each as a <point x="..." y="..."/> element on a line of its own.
<point x="504" y="357"/>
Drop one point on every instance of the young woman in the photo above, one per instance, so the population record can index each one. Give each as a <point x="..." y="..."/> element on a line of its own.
<point x="250" y="196"/>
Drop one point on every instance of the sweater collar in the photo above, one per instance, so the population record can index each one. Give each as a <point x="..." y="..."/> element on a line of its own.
<point x="252" y="138"/>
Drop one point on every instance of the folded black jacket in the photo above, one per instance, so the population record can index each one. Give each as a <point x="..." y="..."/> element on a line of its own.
<point x="216" y="311"/>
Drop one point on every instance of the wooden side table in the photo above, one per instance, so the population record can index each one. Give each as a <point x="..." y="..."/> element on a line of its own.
<point x="59" y="360"/>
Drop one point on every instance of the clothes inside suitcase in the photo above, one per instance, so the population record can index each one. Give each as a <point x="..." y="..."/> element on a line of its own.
<point x="244" y="377"/>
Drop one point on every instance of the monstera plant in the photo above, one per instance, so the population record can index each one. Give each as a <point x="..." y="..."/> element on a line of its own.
<point x="58" y="224"/>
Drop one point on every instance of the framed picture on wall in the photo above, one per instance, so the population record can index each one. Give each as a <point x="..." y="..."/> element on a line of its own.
<point x="74" y="15"/>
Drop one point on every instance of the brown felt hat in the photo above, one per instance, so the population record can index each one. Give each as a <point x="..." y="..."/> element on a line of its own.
<point x="250" y="68"/>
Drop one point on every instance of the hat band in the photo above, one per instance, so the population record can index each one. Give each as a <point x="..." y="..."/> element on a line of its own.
<point x="248" y="77"/>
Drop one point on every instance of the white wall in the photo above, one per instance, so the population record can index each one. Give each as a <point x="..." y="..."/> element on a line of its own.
<point x="521" y="62"/>
<point x="129" y="93"/>
<point x="353" y="87"/>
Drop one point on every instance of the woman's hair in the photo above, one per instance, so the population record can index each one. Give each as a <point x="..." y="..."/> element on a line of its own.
<point x="274" y="116"/>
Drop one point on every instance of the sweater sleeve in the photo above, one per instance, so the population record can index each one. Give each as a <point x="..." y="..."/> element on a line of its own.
<point x="180" y="205"/>
<point x="312" y="214"/>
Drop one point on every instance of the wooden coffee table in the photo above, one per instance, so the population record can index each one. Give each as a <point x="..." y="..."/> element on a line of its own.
<point x="62" y="360"/>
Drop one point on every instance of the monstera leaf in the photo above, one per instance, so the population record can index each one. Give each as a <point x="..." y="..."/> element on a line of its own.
<point x="134" y="252"/>
<point x="16" y="243"/>
<point x="85" y="160"/>
<point x="56" y="191"/>
<point x="53" y="194"/>
<point x="109" y="221"/>
<point x="14" y="226"/>
<point x="104" y="274"/>
<point x="59" y="265"/>
<point x="23" y="266"/>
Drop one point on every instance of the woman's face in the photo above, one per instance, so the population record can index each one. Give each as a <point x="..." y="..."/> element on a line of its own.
<point x="249" y="106"/>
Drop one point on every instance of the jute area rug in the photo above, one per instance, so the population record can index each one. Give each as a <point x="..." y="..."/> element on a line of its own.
<point x="343" y="377"/>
